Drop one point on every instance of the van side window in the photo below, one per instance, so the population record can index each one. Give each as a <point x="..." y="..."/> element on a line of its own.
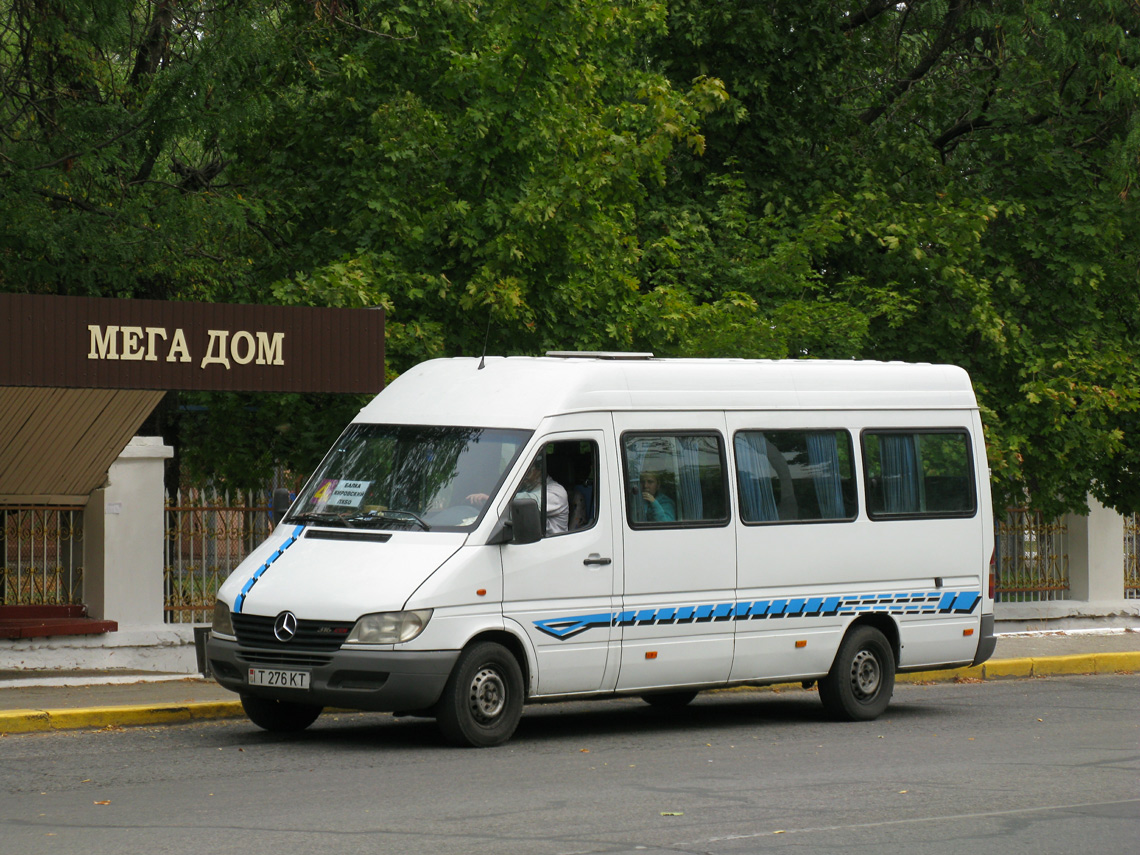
<point x="674" y="479"/>
<point x="919" y="473"/>
<point x="563" y="479"/>
<point x="795" y="475"/>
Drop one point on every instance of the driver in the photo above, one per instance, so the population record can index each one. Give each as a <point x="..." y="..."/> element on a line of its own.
<point x="557" y="502"/>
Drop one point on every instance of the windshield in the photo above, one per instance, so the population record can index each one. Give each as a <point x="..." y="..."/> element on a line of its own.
<point x="408" y="477"/>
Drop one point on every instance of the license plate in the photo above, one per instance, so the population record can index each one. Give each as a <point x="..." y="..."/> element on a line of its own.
<point x="278" y="679"/>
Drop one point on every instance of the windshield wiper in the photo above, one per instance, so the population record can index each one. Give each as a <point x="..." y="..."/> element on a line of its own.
<point x="395" y="515"/>
<point x="321" y="517"/>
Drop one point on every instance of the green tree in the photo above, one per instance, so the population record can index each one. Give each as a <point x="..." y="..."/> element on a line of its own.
<point x="936" y="180"/>
<point x="473" y="168"/>
<point x="113" y="161"/>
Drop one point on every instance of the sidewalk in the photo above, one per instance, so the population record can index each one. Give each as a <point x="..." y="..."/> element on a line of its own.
<point x="50" y="700"/>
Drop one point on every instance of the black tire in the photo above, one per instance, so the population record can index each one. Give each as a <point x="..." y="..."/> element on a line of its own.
<point x="669" y="700"/>
<point x="862" y="678"/>
<point x="482" y="701"/>
<point x="279" y="716"/>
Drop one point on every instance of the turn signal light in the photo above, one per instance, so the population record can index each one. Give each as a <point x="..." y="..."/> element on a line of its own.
<point x="650" y="654"/>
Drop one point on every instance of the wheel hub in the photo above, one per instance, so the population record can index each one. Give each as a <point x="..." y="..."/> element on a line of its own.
<point x="865" y="674"/>
<point x="488" y="695"/>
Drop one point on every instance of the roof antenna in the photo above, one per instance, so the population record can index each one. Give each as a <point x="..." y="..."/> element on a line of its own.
<point x="486" y="338"/>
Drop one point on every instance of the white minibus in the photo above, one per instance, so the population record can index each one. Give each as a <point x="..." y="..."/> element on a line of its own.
<point x="492" y="532"/>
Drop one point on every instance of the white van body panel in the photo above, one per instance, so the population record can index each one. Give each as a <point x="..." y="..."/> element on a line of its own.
<point x="622" y="607"/>
<point x="681" y="569"/>
<point x="340" y="580"/>
<point x="521" y="391"/>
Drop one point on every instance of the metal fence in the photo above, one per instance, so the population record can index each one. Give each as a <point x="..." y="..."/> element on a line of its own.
<point x="208" y="533"/>
<point x="1132" y="557"/>
<point x="1032" y="564"/>
<point x="41" y="555"/>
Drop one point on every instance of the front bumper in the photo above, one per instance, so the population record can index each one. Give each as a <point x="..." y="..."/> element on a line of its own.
<point x="376" y="680"/>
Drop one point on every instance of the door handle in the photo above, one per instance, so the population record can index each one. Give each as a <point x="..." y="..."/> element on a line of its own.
<point x="594" y="558"/>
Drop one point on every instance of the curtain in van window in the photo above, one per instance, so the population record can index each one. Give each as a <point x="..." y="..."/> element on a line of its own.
<point x="692" y="504"/>
<point x="636" y="452"/>
<point x="823" y="457"/>
<point x="757" y="500"/>
<point x="900" y="474"/>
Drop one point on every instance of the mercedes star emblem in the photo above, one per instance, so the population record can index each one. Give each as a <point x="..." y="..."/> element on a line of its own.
<point x="285" y="627"/>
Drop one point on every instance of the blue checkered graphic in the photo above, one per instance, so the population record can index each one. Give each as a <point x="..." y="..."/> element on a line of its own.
<point x="906" y="604"/>
<point x="239" y="601"/>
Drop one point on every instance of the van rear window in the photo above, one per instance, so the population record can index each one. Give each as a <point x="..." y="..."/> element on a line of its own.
<point x="919" y="473"/>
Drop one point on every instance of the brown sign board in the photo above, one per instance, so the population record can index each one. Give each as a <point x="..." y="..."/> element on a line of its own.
<point x="99" y="343"/>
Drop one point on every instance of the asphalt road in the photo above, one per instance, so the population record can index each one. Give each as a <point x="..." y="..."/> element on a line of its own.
<point x="1041" y="766"/>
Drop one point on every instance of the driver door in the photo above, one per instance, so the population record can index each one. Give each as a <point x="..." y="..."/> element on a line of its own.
<point x="560" y="590"/>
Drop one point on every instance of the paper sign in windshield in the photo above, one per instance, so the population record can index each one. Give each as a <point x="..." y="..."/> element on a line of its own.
<point x="348" y="494"/>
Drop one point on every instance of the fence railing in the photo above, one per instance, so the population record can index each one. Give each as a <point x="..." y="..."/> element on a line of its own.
<point x="1132" y="557"/>
<point x="208" y="533"/>
<point x="41" y="555"/>
<point x="1032" y="564"/>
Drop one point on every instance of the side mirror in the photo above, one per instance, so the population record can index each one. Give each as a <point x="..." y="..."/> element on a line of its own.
<point x="281" y="504"/>
<point x="526" y="521"/>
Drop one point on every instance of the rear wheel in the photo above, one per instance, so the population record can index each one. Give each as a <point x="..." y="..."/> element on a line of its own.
<point x="862" y="678"/>
<point x="279" y="716"/>
<point x="482" y="702"/>
<point x="669" y="700"/>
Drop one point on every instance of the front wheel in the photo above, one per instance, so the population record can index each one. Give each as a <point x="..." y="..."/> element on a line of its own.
<point x="279" y="716"/>
<point x="862" y="678"/>
<point x="483" y="699"/>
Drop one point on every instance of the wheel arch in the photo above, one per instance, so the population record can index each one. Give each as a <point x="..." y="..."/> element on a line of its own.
<point x="513" y="644"/>
<point x="885" y="624"/>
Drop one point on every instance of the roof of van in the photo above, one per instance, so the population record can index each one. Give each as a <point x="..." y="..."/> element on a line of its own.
<point x="520" y="391"/>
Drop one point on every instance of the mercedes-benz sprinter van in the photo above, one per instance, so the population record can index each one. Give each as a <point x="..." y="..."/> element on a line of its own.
<point x="491" y="532"/>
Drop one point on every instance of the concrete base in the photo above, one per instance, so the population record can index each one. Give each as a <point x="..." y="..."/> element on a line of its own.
<point x="162" y="648"/>
<point x="1066" y="614"/>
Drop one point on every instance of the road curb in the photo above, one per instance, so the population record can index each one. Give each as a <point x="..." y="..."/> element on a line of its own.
<point x="33" y="721"/>
<point x="1043" y="666"/>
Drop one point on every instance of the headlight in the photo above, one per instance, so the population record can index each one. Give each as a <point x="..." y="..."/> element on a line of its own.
<point x="223" y="624"/>
<point x="389" y="627"/>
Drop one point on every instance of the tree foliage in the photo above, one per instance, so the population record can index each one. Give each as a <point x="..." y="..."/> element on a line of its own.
<point x="929" y="180"/>
<point x="948" y="180"/>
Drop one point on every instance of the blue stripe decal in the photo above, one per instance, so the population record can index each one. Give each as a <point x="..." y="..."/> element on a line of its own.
<point x="921" y="603"/>
<point x="239" y="601"/>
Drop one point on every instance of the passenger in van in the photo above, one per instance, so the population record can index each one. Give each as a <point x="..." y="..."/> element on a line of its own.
<point x="658" y="506"/>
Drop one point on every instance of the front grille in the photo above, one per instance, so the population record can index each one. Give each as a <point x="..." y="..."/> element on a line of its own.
<point x="319" y="635"/>
<point x="282" y="659"/>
